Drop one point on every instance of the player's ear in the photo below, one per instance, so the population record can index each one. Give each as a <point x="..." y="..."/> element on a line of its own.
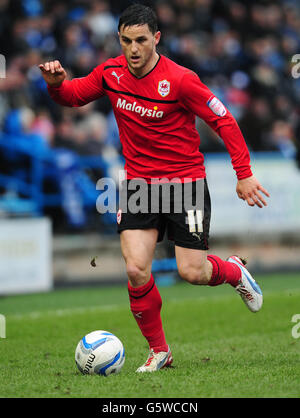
<point x="157" y="37"/>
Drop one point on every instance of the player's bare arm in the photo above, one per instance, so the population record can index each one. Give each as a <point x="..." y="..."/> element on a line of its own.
<point x="249" y="189"/>
<point x="53" y="72"/>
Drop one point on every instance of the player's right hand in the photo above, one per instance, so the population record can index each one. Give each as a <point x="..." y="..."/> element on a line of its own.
<point x="53" y="73"/>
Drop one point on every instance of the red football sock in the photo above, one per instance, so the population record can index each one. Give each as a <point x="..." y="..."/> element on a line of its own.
<point x="145" y="304"/>
<point x="223" y="272"/>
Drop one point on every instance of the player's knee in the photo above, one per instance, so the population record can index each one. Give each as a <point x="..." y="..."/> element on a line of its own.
<point x="136" y="274"/>
<point x="196" y="275"/>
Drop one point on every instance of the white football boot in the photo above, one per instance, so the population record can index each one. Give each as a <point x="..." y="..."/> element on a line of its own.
<point x="247" y="288"/>
<point x="156" y="361"/>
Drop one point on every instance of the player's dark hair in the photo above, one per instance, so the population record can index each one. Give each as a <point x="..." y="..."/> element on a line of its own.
<point x="139" y="14"/>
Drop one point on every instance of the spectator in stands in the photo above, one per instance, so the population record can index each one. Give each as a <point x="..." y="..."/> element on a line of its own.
<point x="256" y="123"/>
<point x="282" y="138"/>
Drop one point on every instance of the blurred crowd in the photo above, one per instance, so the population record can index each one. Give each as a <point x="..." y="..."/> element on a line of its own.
<point x="241" y="49"/>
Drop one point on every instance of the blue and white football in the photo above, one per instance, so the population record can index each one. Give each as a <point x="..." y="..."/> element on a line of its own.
<point x="100" y="352"/>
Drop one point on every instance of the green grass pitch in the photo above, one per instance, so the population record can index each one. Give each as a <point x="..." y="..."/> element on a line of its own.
<point x="220" y="348"/>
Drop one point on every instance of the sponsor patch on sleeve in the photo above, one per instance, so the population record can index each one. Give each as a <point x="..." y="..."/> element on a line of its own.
<point x="216" y="106"/>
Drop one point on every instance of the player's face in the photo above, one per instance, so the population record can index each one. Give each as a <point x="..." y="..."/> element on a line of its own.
<point x="139" y="47"/>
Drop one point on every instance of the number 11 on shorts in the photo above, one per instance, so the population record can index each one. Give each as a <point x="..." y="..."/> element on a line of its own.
<point x="195" y="220"/>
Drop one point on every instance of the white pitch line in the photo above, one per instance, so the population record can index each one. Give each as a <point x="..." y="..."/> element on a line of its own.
<point x="64" y="312"/>
<point x="98" y="308"/>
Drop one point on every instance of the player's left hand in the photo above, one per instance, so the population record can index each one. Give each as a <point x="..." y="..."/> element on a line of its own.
<point x="249" y="189"/>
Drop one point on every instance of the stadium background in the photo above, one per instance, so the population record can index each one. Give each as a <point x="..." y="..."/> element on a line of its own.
<point x="51" y="157"/>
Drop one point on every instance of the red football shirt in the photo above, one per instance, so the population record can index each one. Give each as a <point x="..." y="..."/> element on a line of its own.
<point x="156" y="117"/>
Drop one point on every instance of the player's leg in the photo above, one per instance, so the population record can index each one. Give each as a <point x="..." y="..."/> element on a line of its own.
<point x="198" y="268"/>
<point x="138" y="248"/>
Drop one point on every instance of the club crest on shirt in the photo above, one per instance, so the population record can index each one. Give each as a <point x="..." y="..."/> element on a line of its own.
<point x="164" y="87"/>
<point x="216" y="106"/>
<point x="119" y="216"/>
